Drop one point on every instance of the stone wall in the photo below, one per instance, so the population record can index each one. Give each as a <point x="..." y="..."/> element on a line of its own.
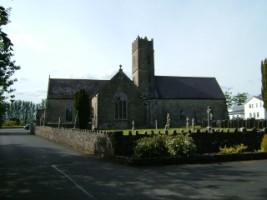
<point x="97" y="143"/>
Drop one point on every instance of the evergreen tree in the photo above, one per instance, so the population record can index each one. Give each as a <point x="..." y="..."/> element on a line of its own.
<point x="264" y="81"/>
<point x="7" y="65"/>
<point x="82" y="107"/>
<point x="22" y="112"/>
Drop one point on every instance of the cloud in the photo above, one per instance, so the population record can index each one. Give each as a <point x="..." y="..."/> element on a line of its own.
<point x="34" y="94"/>
<point x="28" y="41"/>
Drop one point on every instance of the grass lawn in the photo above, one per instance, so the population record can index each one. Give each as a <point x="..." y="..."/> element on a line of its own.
<point x="170" y="131"/>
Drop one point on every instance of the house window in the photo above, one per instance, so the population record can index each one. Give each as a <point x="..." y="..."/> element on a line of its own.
<point x="258" y="114"/>
<point x="68" y="113"/>
<point x="121" y="103"/>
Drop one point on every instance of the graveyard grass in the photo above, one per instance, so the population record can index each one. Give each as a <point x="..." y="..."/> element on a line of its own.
<point x="170" y="131"/>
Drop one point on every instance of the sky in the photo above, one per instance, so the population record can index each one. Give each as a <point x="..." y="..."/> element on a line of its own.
<point x="89" y="39"/>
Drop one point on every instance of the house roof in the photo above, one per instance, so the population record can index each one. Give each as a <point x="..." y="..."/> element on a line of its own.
<point x="239" y="108"/>
<point x="259" y="97"/>
<point x="66" y="88"/>
<point x="169" y="87"/>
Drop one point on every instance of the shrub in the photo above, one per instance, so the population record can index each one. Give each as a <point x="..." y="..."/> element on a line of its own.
<point x="235" y="149"/>
<point x="157" y="146"/>
<point x="10" y="123"/>
<point x="150" y="147"/>
<point x="180" y="145"/>
<point x="264" y="143"/>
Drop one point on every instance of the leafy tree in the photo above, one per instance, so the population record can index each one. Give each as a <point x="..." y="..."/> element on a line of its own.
<point x="240" y="98"/>
<point x="237" y="100"/>
<point x="264" y="81"/>
<point x="7" y="65"/>
<point x="228" y="98"/>
<point x="82" y="107"/>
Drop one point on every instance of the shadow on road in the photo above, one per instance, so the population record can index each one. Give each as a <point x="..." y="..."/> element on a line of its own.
<point x="30" y="175"/>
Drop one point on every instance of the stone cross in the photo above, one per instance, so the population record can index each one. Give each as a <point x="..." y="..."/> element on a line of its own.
<point x="187" y="123"/>
<point x="133" y="125"/>
<point x="193" y="124"/>
<point x="210" y="115"/>
<point x="167" y="126"/>
<point x="59" y="121"/>
<point x="75" y="120"/>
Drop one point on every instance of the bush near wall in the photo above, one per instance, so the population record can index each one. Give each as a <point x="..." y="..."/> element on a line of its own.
<point x="205" y="142"/>
<point x="117" y="144"/>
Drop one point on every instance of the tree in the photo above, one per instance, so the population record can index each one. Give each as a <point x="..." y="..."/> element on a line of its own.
<point x="42" y="105"/>
<point x="81" y="104"/>
<point x="264" y="81"/>
<point x="7" y="65"/>
<point x="236" y="100"/>
<point x="240" y="98"/>
<point x="228" y="98"/>
<point x="22" y="112"/>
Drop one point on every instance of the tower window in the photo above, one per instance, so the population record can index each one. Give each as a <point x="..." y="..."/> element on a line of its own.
<point x="121" y="103"/>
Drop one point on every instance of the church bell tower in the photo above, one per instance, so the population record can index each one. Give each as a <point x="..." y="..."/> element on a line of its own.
<point x="143" y="64"/>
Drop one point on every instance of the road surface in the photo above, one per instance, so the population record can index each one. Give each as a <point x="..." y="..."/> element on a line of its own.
<point x="34" y="168"/>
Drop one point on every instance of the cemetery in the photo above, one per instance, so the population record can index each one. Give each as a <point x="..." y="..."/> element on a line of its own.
<point x="212" y="141"/>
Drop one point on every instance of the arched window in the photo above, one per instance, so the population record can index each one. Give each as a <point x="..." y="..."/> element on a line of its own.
<point x="121" y="103"/>
<point x="68" y="113"/>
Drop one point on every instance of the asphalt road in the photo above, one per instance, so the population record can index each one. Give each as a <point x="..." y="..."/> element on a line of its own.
<point x="34" y="168"/>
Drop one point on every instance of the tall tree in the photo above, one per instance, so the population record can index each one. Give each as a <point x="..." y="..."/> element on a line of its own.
<point x="240" y="98"/>
<point x="228" y="98"/>
<point x="7" y="65"/>
<point x="21" y="111"/>
<point x="264" y="81"/>
<point x="82" y="107"/>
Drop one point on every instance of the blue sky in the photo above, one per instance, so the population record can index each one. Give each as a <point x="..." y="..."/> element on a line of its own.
<point x="91" y="38"/>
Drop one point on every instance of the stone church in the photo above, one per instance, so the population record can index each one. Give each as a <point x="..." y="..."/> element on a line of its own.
<point x="144" y="101"/>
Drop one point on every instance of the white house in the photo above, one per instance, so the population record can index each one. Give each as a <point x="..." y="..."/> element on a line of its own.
<point x="236" y="112"/>
<point x="254" y="108"/>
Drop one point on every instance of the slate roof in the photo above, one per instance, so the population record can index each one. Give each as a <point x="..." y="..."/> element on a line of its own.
<point x="166" y="87"/>
<point x="169" y="87"/>
<point x="66" y="88"/>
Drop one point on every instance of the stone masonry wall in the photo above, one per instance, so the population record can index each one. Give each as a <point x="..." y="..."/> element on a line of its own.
<point x="97" y="143"/>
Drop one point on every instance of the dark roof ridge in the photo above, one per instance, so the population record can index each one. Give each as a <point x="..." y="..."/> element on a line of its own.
<point x="204" y="77"/>
<point x="78" y="79"/>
